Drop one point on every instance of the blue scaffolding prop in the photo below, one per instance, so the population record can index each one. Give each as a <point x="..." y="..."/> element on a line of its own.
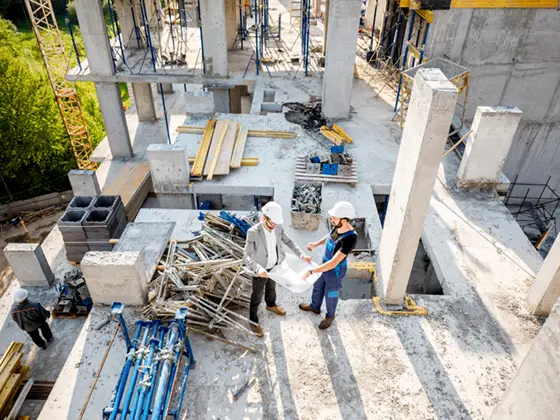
<point x="305" y="33"/>
<point x="151" y="369"/>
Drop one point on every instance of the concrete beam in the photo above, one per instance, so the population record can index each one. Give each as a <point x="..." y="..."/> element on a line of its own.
<point x="115" y="276"/>
<point x="342" y="36"/>
<point x="144" y="100"/>
<point x="169" y="166"/>
<point x="545" y="290"/>
<point x="94" y="33"/>
<point x="426" y="128"/>
<point x="84" y="182"/>
<point x="109" y="96"/>
<point x="213" y="16"/>
<point x="29" y="264"/>
<point x="488" y="145"/>
<point x="534" y="391"/>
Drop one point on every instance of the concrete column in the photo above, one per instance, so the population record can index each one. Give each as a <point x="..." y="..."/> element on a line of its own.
<point x="342" y="36"/>
<point x="84" y="182"/>
<point x="115" y="121"/>
<point x="316" y="11"/>
<point x="545" y="290"/>
<point x="126" y="21"/>
<point x="221" y="99"/>
<point x="169" y="166"/>
<point x="29" y="264"/>
<point x="144" y="100"/>
<point x="166" y="87"/>
<point x="488" y="145"/>
<point x="213" y="15"/>
<point x="235" y="100"/>
<point x="426" y="128"/>
<point x="232" y="18"/>
<point x="94" y="34"/>
<point x="534" y="393"/>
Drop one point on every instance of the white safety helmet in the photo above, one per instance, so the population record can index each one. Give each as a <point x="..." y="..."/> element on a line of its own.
<point x="20" y="295"/>
<point x="343" y="210"/>
<point x="273" y="211"/>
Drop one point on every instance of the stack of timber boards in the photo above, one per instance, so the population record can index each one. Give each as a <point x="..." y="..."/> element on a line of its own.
<point x="12" y="374"/>
<point x="304" y="176"/>
<point x="222" y="146"/>
<point x="133" y="183"/>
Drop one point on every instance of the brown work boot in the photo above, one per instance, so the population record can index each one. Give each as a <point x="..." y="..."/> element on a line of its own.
<point x="326" y="323"/>
<point x="257" y="330"/>
<point x="278" y="310"/>
<point x="307" y="307"/>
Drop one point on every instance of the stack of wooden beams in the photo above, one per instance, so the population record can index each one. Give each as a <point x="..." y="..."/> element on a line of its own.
<point x="222" y="146"/>
<point x="133" y="183"/>
<point x="12" y="374"/>
<point x="335" y="134"/>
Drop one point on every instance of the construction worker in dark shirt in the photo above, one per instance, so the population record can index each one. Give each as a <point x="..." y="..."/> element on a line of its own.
<point x="31" y="317"/>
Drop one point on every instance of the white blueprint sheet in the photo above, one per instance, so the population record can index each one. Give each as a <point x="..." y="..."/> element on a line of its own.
<point x="289" y="274"/>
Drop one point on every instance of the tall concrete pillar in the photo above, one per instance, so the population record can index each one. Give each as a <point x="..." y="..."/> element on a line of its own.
<point x="221" y="99"/>
<point x="426" y="128"/>
<point x="534" y="392"/>
<point x="144" y="100"/>
<point x="213" y="15"/>
<point x="129" y="19"/>
<point x="545" y="289"/>
<point x="316" y="8"/>
<point x="110" y="102"/>
<point x="487" y="147"/>
<point x="342" y="36"/>
<point x="232" y="18"/>
<point x="100" y="61"/>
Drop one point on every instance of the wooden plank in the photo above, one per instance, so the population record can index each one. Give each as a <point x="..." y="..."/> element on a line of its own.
<point x="20" y="400"/>
<point x="203" y="148"/>
<point x="8" y="390"/>
<point x="217" y="154"/>
<point x="224" y="157"/>
<point x="221" y="129"/>
<point x="236" y="159"/>
<point x="14" y="347"/>
<point x="11" y="365"/>
<point x="251" y="133"/>
<point x="246" y="161"/>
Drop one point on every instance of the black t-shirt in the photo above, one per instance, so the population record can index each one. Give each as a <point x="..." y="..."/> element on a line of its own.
<point x="346" y="245"/>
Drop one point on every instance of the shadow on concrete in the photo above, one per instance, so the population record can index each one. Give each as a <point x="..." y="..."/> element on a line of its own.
<point x="344" y="382"/>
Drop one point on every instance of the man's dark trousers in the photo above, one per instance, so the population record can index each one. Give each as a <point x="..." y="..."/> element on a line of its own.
<point x="36" y="337"/>
<point x="262" y="286"/>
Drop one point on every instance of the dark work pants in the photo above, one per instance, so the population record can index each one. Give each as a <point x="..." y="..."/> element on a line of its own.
<point x="36" y="337"/>
<point x="262" y="286"/>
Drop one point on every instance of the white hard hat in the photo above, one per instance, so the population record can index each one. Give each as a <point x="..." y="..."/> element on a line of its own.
<point x="20" y="295"/>
<point x="273" y="211"/>
<point x="343" y="210"/>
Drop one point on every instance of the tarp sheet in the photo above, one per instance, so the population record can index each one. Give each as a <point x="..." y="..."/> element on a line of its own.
<point x="289" y="274"/>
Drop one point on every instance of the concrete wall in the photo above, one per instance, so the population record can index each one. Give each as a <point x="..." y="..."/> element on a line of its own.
<point x="514" y="59"/>
<point x="534" y="393"/>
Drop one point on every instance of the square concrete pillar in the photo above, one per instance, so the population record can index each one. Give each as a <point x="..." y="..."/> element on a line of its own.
<point x="534" y="392"/>
<point x="164" y="87"/>
<point x="115" y="276"/>
<point x="29" y="264"/>
<point x="144" y="100"/>
<point x="232" y="19"/>
<point x="94" y="33"/>
<point x="221" y="99"/>
<point x="488" y="145"/>
<point x="84" y="182"/>
<point x="213" y="16"/>
<point x="316" y="11"/>
<point x="425" y="131"/>
<point x="342" y="36"/>
<point x="545" y="290"/>
<point x="110" y="102"/>
<point x="128" y="13"/>
<point x="169" y="166"/>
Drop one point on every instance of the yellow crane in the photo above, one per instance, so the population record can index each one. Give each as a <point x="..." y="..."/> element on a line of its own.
<point x="44" y="24"/>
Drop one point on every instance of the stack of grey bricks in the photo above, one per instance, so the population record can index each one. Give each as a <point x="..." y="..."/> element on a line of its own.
<point x="89" y="223"/>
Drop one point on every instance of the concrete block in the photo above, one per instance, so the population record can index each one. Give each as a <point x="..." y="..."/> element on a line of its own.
<point x="169" y="166"/>
<point x="100" y="224"/>
<point x="115" y="276"/>
<point x="84" y="182"/>
<point x="545" y="289"/>
<point x="29" y="264"/>
<point x="342" y="35"/>
<point x="80" y="203"/>
<point x="534" y="391"/>
<point x="70" y="225"/>
<point x="426" y="128"/>
<point x="488" y="145"/>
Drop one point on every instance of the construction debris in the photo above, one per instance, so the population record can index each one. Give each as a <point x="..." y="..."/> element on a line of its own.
<point x="74" y="298"/>
<point x="308" y="116"/>
<point x="205" y="275"/>
<point x="306" y="206"/>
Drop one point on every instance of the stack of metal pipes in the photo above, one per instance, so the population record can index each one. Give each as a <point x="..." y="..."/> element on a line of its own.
<point x="153" y="372"/>
<point x="205" y="275"/>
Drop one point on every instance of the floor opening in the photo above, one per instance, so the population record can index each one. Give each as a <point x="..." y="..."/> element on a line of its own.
<point x="423" y="279"/>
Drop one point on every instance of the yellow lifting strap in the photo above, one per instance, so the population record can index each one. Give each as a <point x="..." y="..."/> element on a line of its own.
<point x="410" y="308"/>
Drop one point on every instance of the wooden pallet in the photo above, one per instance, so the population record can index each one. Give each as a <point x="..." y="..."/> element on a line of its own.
<point x="303" y="176"/>
<point x="12" y="374"/>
